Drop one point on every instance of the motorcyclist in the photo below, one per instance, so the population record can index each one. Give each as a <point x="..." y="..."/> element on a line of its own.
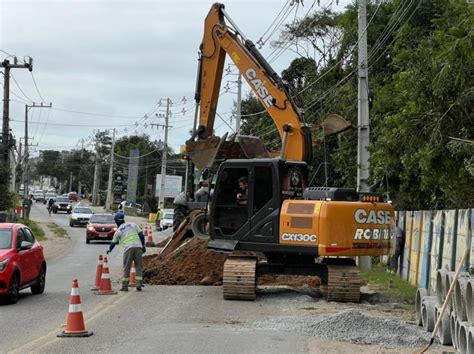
<point x="131" y="237"/>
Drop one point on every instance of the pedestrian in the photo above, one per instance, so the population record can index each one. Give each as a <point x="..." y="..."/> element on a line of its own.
<point x="27" y="203"/>
<point x="50" y="205"/>
<point x="131" y="237"/>
<point x="160" y="215"/>
<point x="398" y="254"/>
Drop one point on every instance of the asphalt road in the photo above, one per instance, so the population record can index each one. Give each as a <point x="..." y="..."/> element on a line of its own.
<point x="176" y="319"/>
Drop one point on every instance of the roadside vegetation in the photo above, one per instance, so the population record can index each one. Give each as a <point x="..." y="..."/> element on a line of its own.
<point x="35" y="227"/>
<point x="389" y="284"/>
<point x="57" y="230"/>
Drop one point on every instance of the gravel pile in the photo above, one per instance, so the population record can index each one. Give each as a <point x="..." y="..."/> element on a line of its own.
<point x="350" y="325"/>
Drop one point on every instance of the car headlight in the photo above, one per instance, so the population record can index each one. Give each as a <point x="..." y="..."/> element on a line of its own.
<point x="69" y="207"/>
<point x="114" y="229"/>
<point x="90" y="228"/>
<point x="74" y="217"/>
<point x="3" y="264"/>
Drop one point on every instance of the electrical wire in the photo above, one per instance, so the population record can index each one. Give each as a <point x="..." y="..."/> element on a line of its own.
<point x="36" y="86"/>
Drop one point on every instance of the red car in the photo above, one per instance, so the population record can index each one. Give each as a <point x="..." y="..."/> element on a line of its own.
<point x="101" y="227"/>
<point x="22" y="263"/>
<point x="73" y="197"/>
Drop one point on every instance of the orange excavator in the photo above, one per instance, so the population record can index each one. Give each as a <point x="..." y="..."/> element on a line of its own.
<point x="263" y="203"/>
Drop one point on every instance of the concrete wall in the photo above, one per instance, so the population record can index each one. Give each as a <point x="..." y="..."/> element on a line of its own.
<point x="435" y="239"/>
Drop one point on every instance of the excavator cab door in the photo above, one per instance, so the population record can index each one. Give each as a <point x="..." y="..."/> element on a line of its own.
<point x="246" y="213"/>
<point x="229" y="215"/>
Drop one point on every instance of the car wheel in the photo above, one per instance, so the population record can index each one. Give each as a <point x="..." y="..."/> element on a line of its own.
<point x="69" y="212"/>
<point x="179" y="215"/>
<point x="71" y="224"/>
<point x="13" y="292"/>
<point x="88" y="241"/>
<point x="38" y="288"/>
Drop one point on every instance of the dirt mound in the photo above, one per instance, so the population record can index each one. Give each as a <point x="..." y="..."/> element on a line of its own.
<point x="193" y="264"/>
<point x="188" y="265"/>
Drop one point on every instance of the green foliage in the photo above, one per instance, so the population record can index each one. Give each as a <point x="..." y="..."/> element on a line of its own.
<point x="378" y="278"/>
<point x="6" y="197"/>
<point x="421" y="76"/>
<point x="35" y="227"/>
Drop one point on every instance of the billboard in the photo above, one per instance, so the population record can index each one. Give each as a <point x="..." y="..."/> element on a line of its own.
<point x="173" y="185"/>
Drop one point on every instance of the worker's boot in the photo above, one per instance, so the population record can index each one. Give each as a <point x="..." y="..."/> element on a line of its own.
<point x="124" y="286"/>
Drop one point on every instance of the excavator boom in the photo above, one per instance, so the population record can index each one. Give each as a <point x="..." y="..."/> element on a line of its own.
<point x="220" y="40"/>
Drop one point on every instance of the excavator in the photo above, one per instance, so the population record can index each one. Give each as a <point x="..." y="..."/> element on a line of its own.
<point x="301" y="230"/>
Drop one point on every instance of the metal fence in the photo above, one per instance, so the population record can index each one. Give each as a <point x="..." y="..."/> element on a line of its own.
<point x="435" y="239"/>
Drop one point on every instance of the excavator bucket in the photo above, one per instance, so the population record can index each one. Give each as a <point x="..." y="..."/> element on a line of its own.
<point x="204" y="153"/>
<point x="332" y="125"/>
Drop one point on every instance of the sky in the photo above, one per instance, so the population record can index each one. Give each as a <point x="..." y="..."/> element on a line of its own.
<point x="116" y="60"/>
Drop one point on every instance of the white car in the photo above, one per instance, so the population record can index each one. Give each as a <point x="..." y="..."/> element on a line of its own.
<point x="167" y="221"/>
<point x="80" y="216"/>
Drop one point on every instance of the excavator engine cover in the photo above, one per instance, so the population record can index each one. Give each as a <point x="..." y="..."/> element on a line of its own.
<point x="205" y="152"/>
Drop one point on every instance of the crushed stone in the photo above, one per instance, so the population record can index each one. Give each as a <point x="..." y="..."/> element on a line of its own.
<point x="353" y="326"/>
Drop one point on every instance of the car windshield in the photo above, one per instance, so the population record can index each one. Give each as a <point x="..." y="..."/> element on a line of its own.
<point x="62" y="200"/>
<point x="168" y="216"/>
<point x="102" y="219"/>
<point x="50" y="195"/>
<point x="82" y="211"/>
<point x="5" y="239"/>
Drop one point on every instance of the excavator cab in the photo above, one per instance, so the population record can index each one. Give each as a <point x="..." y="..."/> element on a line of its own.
<point x="255" y="221"/>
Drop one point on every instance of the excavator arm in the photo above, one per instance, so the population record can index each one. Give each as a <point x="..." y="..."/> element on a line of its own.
<point x="220" y="40"/>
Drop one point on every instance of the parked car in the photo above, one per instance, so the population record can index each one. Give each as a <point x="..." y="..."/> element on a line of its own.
<point x="101" y="227"/>
<point x="167" y="221"/>
<point x="80" y="216"/>
<point x="62" y="204"/>
<point x="22" y="263"/>
<point x="73" y="197"/>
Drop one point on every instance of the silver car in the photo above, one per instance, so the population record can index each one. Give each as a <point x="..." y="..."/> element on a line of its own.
<point x="80" y="216"/>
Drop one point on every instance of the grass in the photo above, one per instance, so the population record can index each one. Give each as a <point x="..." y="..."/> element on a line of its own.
<point x="57" y="230"/>
<point x="35" y="227"/>
<point x="380" y="279"/>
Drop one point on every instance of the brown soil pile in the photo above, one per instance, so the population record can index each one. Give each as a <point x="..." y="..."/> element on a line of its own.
<point x="290" y="280"/>
<point x="192" y="262"/>
<point x="163" y="243"/>
<point x="188" y="265"/>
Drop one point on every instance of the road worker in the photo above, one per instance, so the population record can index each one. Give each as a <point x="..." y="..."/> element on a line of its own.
<point x="131" y="237"/>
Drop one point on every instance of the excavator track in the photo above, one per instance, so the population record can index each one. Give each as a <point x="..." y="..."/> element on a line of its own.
<point x="343" y="283"/>
<point x="239" y="280"/>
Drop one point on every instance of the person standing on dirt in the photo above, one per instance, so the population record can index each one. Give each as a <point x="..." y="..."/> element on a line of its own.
<point x="399" y="246"/>
<point x="50" y="205"/>
<point x="131" y="237"/>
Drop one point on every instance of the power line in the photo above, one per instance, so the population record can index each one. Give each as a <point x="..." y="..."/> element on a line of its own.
<point x="36" y="86"/>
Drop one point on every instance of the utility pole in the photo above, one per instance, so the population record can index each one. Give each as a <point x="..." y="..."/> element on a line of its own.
<point x="363" y="128"/>
<point x="109" y="200"/>
<point x="6" y="106"/>
<point x="79" y="186"/>
<point x="95" y="186"/>
<point x="27" y="153"/>
<point x="161" y="201"/>
<point x="239" y="104"/>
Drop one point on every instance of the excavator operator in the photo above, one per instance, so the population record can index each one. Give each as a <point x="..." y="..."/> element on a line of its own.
<point x="243" y="191"/>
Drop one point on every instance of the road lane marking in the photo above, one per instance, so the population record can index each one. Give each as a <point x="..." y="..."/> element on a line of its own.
<point x="50" y="338"/>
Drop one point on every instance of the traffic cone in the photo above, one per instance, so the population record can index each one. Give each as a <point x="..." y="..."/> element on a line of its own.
<point x="75" y="320"/>
<point x="98" y="274"/>
<point x="105" y="284"/>
<point x="149" y="239"/>
<point x="133" y="273"/>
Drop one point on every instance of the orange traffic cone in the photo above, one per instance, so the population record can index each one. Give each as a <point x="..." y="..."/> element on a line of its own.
<point x="75" y="320"/>
<point x="98" y="274"/>
<point x="149" y="239"/>
<point x="105" y="284"/>
<point x="133" y="273"/>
